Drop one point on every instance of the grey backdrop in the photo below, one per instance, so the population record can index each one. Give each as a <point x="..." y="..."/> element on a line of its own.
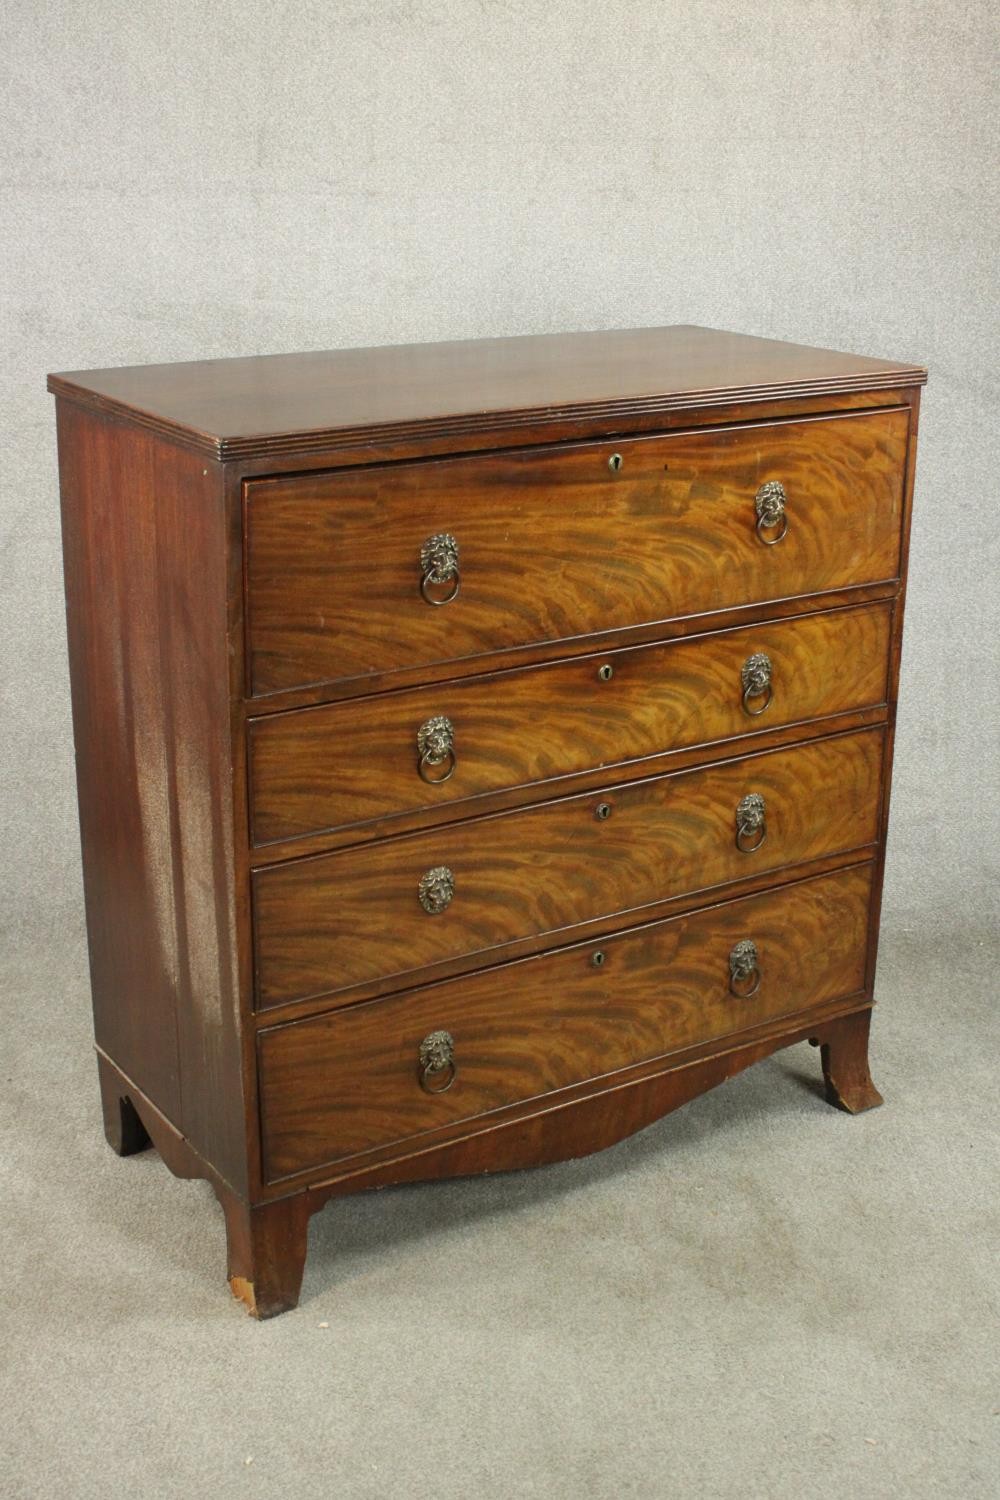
<point x="757" y="1296"/>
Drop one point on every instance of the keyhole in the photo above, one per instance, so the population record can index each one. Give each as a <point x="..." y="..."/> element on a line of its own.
<point x="603" y="810"/>
<point x="615" y="462"/>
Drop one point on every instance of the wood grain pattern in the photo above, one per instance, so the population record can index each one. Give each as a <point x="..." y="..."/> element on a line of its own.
<point x="342" y="1084"/>
<point x="553" y="545"/>
<point x="355" y="763"/>
<point x="144" y="546"/>
<point x="387" y="447"/>
<point x="352" y="835"/>
<point x="575" y="1121"/>
<point x="325" y="924"/>
<point x="303" y="403"/>
<point x="650" y="633"/>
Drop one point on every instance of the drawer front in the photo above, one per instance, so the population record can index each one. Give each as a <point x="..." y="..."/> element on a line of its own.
<point x="324" y="768"/>
<point x="552" y="544"/>
<point x="383" y="911"/>
<point x="350" y="1081"/>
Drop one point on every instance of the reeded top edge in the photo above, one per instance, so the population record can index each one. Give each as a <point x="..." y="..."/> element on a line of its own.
<point x="301" y="403"/>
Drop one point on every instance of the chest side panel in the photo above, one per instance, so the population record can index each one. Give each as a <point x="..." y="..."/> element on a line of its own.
<point x="145" y="550"/>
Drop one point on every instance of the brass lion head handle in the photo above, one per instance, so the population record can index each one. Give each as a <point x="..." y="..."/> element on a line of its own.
<point x="439" y="568"/>
<point x="744" y="970"/>
<point x="751" y="823"/>
<point x="437" y="1062"/>
<point x="772" y="522"/>
<point x="436" y="750"/>
<point x="436" y="889"/>
<point x="756" y="679"/>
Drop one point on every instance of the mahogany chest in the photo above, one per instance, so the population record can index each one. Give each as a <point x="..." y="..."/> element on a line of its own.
<point x="482" y="747"/>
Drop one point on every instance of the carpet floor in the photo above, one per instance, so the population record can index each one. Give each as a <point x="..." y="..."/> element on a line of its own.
<point x="757" y="1296"/>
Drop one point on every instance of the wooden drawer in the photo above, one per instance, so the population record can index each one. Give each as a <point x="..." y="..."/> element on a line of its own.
<point x="553" y="545"/>
<point x="323" y="768"/>
<point x="348" y="1082"/>
<point x="355" y="917"/>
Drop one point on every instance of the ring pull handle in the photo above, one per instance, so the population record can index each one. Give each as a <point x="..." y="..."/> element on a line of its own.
<point x="436" y="890"/>
<point x="436" y="748"/>
<point x="756" y="679"/>
<point x="751" y="823"/>
<point x="437" y="1062"/>
<point x="744" y="970"/>
<point x="439" y="568"/>
<point x="769" y="504"/>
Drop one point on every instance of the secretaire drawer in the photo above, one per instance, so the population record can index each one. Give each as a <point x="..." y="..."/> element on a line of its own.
<point x="384" y="910"/>
<point x="349" y="763"/>
<point x="384" y="1071"/>
<point x="393" y="566"/>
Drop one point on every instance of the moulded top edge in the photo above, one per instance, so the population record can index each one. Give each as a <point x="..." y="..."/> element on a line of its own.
<point x="287" y="403"/>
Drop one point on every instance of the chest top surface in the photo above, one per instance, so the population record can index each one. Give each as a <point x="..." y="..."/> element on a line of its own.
<point x="286" y="403"/>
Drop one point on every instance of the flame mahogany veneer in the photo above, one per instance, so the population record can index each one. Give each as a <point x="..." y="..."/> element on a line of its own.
<point x="482" y="748"/>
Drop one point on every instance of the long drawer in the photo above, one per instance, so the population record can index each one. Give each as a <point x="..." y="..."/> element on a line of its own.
<point x="324" y="768"/>
<point x="371" y="570"/>
<point x="385" y="1071"/>
<point x="382" y="911"/>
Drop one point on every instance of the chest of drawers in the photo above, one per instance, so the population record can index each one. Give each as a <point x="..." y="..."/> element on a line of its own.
<point x="482" y="748"/>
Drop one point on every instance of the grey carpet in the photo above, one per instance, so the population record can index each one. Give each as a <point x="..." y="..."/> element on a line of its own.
<point x="758" y="1296"/>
